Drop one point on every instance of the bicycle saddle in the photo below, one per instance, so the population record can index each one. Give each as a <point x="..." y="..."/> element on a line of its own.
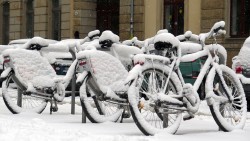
<point x="107" y="70"/>
<point x="31" y="68"/>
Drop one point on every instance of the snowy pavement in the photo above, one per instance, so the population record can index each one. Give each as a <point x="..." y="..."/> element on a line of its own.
<point x="62" y="126"/>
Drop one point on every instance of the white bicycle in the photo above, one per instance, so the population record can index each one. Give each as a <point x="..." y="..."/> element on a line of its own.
<point x="158" y="95"/>
<point x="30" y="81"/>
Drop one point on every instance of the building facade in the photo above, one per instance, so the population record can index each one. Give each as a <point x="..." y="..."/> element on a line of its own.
<point x="61" y="19"/>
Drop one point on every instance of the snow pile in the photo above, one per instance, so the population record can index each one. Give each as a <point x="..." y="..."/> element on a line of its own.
<point x="93" y="34"/>
<point x="189" y="47"/>
<point x="35" y="40"/>
<point x="37" y="129"/>
<point x="124" y="53"/>
<point x="30" y="67"/>
<point x="243" y="55"/>
<point x="109" y="35"/>
<point x="168" y="38"/>
<point x="108" y="70"/>
<point x="162" y="31"/>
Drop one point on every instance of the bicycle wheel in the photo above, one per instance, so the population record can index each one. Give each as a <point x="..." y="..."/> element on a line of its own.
<point x="228" y="114"/>
<point x="153" y="116"/>
<point x="17" y="102"/>
<point x="97" y="110"/>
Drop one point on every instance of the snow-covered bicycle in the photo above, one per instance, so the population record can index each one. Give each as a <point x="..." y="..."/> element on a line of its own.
<point x="29" y="79"/>
<point x="102" y="91"/>
<point x="158" y="95"/>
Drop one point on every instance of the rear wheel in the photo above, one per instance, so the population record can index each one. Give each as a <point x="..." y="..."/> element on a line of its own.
<point x="228" y="114"/>
<point x="96" y="109"/>
<point x="150" y="115"/>
<point x="17" y="102"/>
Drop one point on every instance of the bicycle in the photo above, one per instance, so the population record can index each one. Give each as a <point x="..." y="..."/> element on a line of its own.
<point x="102" y="92"/>
<point x="30" y="82"/>
<point x="158" y="95"/>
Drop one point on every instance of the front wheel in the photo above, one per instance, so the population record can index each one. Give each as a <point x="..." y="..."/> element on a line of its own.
<point x="17" y="102"/>
<point x="153" y="116"/>
<point x="229" y="111"/>
<point x="97" y="110"/>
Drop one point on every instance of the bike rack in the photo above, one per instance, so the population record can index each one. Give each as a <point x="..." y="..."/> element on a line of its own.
<point x="73" y="90"/>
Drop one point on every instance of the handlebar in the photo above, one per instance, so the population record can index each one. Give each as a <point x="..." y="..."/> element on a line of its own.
<point x="58" y="47"/>
<point x="216" y="30"/>
<point x="188" y="36"/>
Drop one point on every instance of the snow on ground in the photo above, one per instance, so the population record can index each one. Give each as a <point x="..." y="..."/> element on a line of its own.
<point x="62" y="126"/>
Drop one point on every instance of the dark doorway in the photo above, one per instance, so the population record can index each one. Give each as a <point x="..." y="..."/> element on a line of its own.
<point x="108" y="15"/>
<point x="174" y="16"/>
<point x="6" y="21"/>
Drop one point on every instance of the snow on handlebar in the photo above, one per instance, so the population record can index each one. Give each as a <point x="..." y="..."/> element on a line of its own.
<point x="58" y="47"/>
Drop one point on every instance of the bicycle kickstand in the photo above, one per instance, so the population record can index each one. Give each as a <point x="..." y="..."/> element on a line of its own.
<point x="53" y="107"/>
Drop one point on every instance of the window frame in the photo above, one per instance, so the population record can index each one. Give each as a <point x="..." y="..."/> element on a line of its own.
<point x="175" y="4"/>
<point x="242" y="25"/>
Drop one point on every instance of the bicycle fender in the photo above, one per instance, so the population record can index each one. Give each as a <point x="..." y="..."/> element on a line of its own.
<point x="5" y="73"/>
<point x="81" y="77"/>
<point x="133" y="74"/>
<point x="209" y="85"/>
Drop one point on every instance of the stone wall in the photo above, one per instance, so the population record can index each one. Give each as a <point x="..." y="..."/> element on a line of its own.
<point x="65" y="19"/>
<point x="40" y="18"/>
<point x="15" y="20"/>
<point x="138" y="23"/>
<point x="84" y="16"/>
<point x="216" y="10"/>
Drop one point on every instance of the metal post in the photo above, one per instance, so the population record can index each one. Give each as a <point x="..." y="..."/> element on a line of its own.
<point x="83" y="116"/>
<point x="19" y="97"/>
<point x="165" y="120"/>
<point x="73" y="85"/>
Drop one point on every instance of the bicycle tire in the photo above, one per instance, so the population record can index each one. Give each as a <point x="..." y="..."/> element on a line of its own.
<point x="228" y="115"/>
<point x="140" y="114"/>
<point x="28" y="104"/>
<point x="97" y="111"/>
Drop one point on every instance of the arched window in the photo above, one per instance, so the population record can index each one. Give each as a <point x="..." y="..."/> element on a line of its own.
<point x="108" y="15"/>
<point x="240" y="18"/>
<point x="6" y="21"/>
<point x="30" y="18"/>
<point x="56" y="20"/>
<point x="174" y="16"/>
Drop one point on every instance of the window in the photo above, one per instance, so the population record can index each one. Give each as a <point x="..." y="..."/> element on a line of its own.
<point x="6" y="19"/>
<point x="29" y="19"/>
<point x="108" y="15"/>
<point x="240" y="18"/>
<point x="56" y="20"/>
<point x="174" y="16"/>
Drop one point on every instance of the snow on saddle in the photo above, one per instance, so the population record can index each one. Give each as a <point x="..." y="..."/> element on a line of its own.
<point x="107" y="70"/>
<point x="31" y="68"/>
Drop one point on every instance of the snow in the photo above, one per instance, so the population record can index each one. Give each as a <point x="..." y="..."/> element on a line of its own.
<point x="62" y="126"/>
<point x="93" y="33"/>
<point x="109" y="35"/>
<point x="108" y="70"/>
<point x="189" y="47"/>
<point x="168" y="38"/>
<point x="35" y="40"/>
<point x="243" y="79"/>
<point x="243" y="55"/>
<point x="30" y="67"/>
